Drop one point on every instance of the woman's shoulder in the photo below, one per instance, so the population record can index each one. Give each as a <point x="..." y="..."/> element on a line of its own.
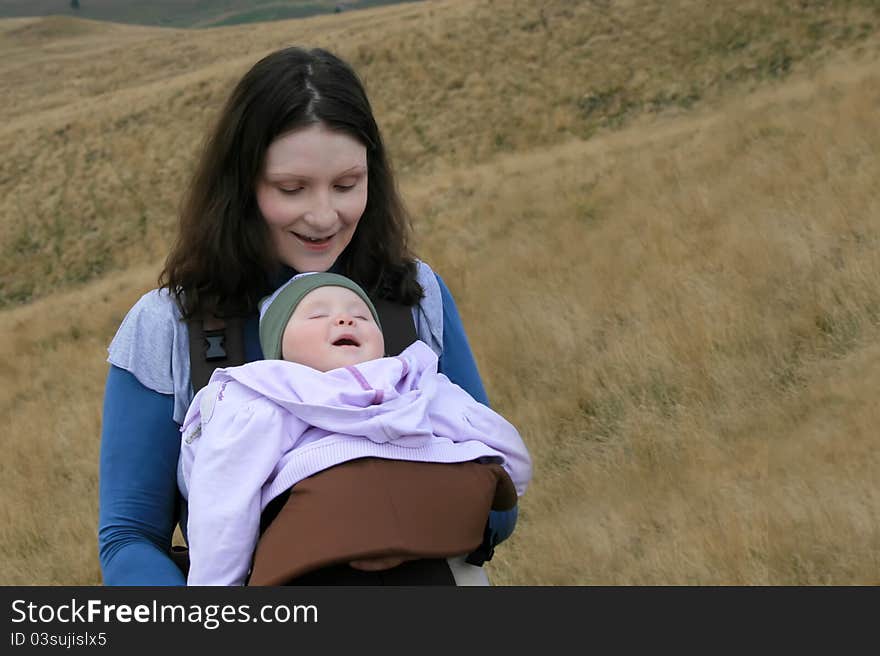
<point x="157" y="312"/>
<point x="429" y="312"/>
<point x="146" y="339"/>
<point x="427" y="278"/>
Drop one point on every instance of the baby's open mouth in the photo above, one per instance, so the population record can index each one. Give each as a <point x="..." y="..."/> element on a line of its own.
<point x="345" y="341"/>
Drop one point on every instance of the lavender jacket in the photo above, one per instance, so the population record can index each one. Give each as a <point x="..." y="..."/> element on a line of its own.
<point x="257" y="429"/>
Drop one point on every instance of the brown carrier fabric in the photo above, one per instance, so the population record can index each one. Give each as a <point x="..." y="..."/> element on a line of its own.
<point x="371" y="508"/>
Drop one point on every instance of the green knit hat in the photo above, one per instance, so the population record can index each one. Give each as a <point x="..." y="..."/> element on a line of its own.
<point x="276" y="310"/>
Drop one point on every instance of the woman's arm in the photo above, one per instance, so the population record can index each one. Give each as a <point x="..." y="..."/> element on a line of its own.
<point x="457" y="360"/>
<point x="140" y="444"/>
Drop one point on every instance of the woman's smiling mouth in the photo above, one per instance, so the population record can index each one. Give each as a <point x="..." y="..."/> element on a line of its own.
<point x="314" y="243"/>
<point x="312" y="240"/>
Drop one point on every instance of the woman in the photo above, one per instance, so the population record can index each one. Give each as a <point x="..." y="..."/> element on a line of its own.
<point x="293" y="178"/>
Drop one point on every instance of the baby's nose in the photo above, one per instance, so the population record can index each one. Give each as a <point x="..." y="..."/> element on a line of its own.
<point x="344" y="320"/>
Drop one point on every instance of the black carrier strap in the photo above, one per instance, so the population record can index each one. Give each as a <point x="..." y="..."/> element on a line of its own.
<point x="398" y="327"/>
<point x="214" y="343"/>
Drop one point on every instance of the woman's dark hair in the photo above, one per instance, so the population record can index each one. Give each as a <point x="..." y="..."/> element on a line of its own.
<point x="222" y="261"/>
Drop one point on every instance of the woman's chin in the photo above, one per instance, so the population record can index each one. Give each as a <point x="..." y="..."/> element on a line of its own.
<point x="311" y="262"/>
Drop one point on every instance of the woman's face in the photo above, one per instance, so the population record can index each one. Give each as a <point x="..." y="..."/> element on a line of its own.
<point x="312" y="192"/>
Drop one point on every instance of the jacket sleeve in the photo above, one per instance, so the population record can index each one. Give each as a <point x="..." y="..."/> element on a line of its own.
<point x="457" y="359"/>
<point x="469" y="420"/>
<point x="137" y="486"/>
<point x="239" y="447"/>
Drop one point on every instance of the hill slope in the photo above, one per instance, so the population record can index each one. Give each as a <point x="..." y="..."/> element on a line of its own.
<point x="184" y="13"/>
<point x="677" y="305"/>
<point x="111" y="124"/>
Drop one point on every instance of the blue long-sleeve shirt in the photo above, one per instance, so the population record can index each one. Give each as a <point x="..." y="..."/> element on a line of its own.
<point x="140" y="446"/>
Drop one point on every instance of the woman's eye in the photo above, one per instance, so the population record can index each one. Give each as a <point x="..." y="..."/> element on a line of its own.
<point x="290" y="191"/>
<point x="345" y="187"/>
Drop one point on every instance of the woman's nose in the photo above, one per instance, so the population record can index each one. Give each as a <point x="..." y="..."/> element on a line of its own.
<point x="322" y="213"/>
<point x="322" y="218"/>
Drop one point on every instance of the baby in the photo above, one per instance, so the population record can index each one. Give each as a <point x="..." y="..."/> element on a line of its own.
<point x="325" y="395"/>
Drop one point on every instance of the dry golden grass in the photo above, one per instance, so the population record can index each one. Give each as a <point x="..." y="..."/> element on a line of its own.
<point x="100" y="122"/>
<point x="53" y="366"/>
<point x="676" y="315"/>
<point x="679" y="309"/>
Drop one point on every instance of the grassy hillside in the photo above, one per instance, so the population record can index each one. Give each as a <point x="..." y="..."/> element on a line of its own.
<point x="661" y="228"/>
<point x="184" y="13"/>
<point x="110" y="116"/>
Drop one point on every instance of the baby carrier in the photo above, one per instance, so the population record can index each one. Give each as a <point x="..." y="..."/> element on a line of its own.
<point x="354" y="525"/>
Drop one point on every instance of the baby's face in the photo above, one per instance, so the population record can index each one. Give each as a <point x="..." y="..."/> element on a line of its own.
<point x="331" y="328"/>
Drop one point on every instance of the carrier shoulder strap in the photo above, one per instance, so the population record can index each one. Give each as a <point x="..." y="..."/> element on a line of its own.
<point x="398" y="327"/>
<point x="215" y="343"/>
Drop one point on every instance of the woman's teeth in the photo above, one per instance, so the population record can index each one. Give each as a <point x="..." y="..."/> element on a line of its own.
<point x="312" y="240"/>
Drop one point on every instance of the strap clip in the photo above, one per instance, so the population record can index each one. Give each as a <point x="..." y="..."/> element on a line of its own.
<point x="216" y="345"/>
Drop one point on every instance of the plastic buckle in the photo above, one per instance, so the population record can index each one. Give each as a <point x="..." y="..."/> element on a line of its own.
<point x="215" y="340"/>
